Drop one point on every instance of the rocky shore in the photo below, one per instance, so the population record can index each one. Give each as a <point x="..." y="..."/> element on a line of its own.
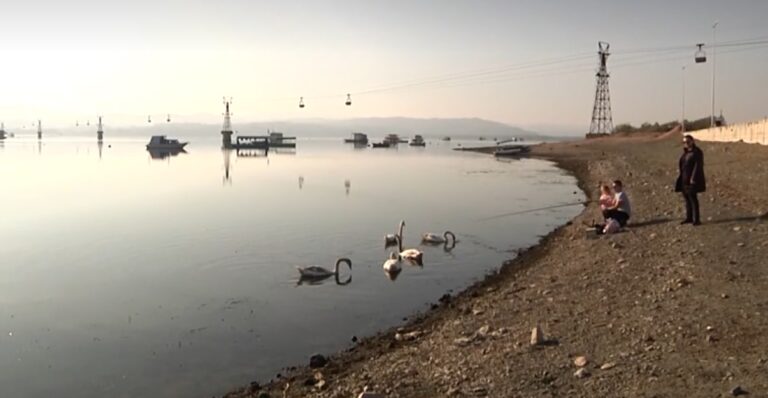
<point x="660" y="310"/>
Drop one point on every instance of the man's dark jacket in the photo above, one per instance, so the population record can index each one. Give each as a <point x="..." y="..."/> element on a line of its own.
<point x="691" y="170"/>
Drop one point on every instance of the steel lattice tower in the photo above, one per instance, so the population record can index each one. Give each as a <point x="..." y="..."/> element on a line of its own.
<point x="602" y="121"/>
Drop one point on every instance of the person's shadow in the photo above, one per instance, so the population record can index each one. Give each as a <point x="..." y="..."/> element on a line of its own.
<point x="648" y="223"/>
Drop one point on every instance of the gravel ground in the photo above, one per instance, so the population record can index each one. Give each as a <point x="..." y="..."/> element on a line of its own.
<point x="660" y="310"/>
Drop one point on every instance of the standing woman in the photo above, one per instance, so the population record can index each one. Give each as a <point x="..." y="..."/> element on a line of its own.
<point x="691" y="181"/>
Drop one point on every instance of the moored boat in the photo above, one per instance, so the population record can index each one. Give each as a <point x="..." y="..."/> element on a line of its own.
<point x="417" y="141"/>
<point x="512" y="150"/>
<point x="357" y="138"/>
<point x="160" y="142"/>
<point x="394" y="139"/>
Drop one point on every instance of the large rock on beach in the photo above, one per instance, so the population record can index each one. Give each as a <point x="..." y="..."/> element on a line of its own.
<point x="317" y="361"/>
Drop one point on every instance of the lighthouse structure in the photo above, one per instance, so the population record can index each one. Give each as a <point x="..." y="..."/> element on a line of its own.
<point x="39" y="130"/>
<point x="100" y="131"/>
<point x="226" y="130"/>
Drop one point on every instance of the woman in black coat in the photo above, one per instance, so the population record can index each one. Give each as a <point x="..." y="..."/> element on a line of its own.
<point x="690" y="180"/>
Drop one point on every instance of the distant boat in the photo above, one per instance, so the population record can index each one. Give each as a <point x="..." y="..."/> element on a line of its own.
<point x="383" y="144"/>
<point x="357" y="138"/>
<point x="394" y="139"/>
<point x="278" y="140"/>
<point x="159" y="142"/>
<point x="446" y="138"/>
<point x="417" y="141"/>
<point x="512" y="150"/>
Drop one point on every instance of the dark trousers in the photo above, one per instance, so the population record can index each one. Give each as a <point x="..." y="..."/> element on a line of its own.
<point x="691" y="204"/>
<point x="617" y="215"/>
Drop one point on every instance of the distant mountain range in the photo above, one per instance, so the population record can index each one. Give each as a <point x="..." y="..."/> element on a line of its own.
<point x="374" y="127"/>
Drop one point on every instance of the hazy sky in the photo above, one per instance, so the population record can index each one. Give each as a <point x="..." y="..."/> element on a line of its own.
<point x="71" y="60"/>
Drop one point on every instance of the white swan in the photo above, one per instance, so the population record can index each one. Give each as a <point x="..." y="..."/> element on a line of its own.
<point x="412" y="255"/>
<point x="435" y="238"/>
<point x="392" y="264"/>
<point x="391" y="239"/>
<point x="317" y="272"/>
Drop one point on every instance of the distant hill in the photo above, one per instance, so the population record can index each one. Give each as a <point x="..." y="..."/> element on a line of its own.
<point x="374" y="127"/>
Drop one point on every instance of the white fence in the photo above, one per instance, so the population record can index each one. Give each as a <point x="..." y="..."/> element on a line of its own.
<point x="751" y="132"/>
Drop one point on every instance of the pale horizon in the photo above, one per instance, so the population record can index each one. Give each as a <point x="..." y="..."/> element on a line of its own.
<point x="82" y="59"/>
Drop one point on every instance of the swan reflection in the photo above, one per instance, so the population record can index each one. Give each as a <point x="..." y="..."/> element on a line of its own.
<point x="303" y="280"/>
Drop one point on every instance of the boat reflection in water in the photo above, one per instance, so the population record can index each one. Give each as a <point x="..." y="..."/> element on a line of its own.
<point x="160" y="154"/>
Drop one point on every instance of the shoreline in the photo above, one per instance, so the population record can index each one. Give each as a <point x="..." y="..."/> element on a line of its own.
<point x="460" y="347"/>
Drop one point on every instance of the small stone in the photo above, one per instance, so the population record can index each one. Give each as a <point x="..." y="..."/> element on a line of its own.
<point x="320" y="384"/>
<point x="410" y="336"/>
<point x="581" y="373"/>
<point x="483" y="331"/>
<point x="477" y="312"/>
<point x="537" y="336"/>
<point x="736" y="391"/>
<point x="580" y="361"/>
<point x="368" y="394"/>
<point x="317" y="361"/>
<point x="724" y="296"/>
<point x="607" y="365"/>
<point x="740" y="244"/>
<point x="462" y="341"/>
<point x="736" y="229"/>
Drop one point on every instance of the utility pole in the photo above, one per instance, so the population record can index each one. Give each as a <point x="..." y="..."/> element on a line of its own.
<point x="682" y="115"/>
<point x="602" y="121"/>
<point x="714" y="50"/>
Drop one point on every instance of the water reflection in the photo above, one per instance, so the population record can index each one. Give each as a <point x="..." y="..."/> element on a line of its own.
<point x="227" y="159"/>
<point x="252" y="153"/>
<point x="100" y="145"/>
<point x="160" y="154"/>
<point x="301" y="182"/>
<point x="347" y="185"/>
<point x="303" y="280"/>
<point x="163" y="283"/>
<point x="392" y="275"/>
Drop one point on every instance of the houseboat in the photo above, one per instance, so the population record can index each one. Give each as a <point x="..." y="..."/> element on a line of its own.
<point x="357" y="138"/>
<point x="394" y="139"/>
<point x="417" y="141"/>
<point x="160" y="142"/>
<point x="278" y="140"/>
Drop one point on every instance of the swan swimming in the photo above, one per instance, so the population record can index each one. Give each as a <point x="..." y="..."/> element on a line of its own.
<point x="392" y="265"/>
<point x="317" y="272"/>
<point x="391" y="239"/>
<point x="412" y="255"/>
<point x="435" y="238"/>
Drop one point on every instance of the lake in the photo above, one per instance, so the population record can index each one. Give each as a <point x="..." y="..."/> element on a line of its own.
<point x="124" y="275"/>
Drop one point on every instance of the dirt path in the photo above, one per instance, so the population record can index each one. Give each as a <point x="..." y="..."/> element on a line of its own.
<point x="662" y="310"/>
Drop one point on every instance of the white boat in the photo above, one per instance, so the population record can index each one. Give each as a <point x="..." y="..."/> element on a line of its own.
<point x="511" y="150"/>
<point x="158" y="142"/>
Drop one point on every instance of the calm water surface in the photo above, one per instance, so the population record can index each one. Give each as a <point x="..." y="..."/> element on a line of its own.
<point x="127" y="276"/>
